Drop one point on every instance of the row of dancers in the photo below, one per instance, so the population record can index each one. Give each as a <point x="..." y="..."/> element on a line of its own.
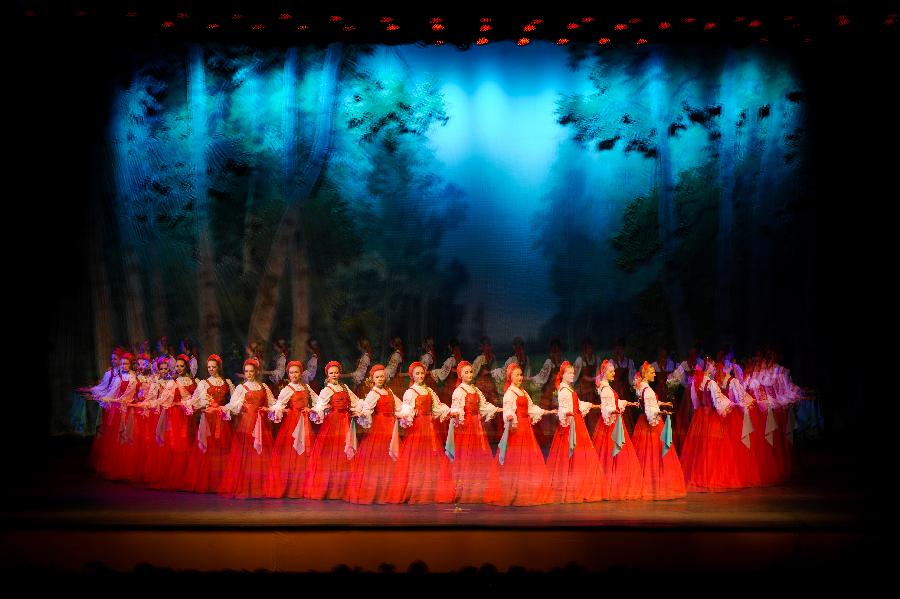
<point x="214" y="436"/>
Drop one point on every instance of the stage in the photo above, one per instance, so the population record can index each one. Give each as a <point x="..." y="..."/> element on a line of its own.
<point x="75" y="521"/>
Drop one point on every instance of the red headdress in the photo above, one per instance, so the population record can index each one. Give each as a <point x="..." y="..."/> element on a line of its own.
<point x="412" y="367"/>
<point x="462" y="364"/>
<point x="509" y="370"/>
<point x="562" y="370"/>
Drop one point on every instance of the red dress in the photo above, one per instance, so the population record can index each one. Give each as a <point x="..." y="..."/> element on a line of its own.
<point x="177" y="432"/>
<point x="121" y="462"/>
<point x="473" y="466"/>
<point x="143" y="446"/>
<point x="210" y="451"/>
<point x="373" y="468"/>
<point x="708" y="455"/>
<point x="328" y="468"/>
<point x="422" y="473"/>
<point x="744" y="460"/>
<point x="252" y="462"/>
<point x="623" y="471"/>
<point x="292" y="465"/>
<point x="763" y="452"/>
<point x="661" y="475"/>
<point x="106" y="446"/>
<point x="523" y="477"/>
<point x="580" y="477"/>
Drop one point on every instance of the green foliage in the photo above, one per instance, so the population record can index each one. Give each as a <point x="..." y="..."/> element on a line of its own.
<point x="638" y="240"/>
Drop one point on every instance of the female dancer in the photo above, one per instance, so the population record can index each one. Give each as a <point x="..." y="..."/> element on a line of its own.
<point x="523" y="477"/>
<point x="328" y="468"/>
<point x="474" y="470"/>
<point x="661" y="473"/>
<point x="422" y="473"/>
<point x="295" y="436"/>
<point x="576" y="475"/>
<point x="252" y="462"/>
<point x="614" y="447"/>
<point x="214" y="435"/>
<point x="372" y="470"/>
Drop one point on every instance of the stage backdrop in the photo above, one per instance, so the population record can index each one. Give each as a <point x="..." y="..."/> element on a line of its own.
<point x="655" y="193"/>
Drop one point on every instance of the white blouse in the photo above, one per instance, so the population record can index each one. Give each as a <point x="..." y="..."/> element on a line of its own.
<point x="564" y="397"/>
<point x="509" y="405"/>
<point x="486" y="409"/>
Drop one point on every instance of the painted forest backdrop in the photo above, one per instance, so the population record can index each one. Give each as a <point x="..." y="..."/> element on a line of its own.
<point x="655" y="193"/>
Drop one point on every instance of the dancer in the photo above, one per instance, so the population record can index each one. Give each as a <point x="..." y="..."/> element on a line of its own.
<point x="612" y="440"/>
<point x="473" y="466"/>
<point x="661" y="475"/>
<point x="372" y="471"/>
<point x="575" y="472"/>
<point x="422" y="473"/>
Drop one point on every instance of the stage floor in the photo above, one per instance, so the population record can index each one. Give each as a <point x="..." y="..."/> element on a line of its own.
<point x="74" y="518"/>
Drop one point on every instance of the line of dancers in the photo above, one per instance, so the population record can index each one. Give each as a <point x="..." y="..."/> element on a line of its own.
<point x="402" y="442"/>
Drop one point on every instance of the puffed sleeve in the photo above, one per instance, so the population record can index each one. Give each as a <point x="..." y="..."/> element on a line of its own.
<point x="651" y="405"/>
<point x="102" y="388"/>
<point x="391" y="369"/>
<point x="477" y="363"/>
<point x="198" y="400"/>
<point x="678" y="375"/>
<point x="407" y="408"/>
<point x="509" y="406"/>
<point x="355" y="401"/>
<point x="540" y="379"/>
<point x="578" y="364"/>
<point x="317" y="412"/>
<point x="458" y="405"/>
<point x="438" y="408"/>
<point x="534" y="411"/>
<point x="721" y="403"/>
<point x="167" y="395"/>
<point x="310" y="373"/>
<point x="367" y="404"/>
<point x="278" y="372"/>
<point x="485" y="408"/>
<point x="564" y="402"/>
<point x="440" y="374"/>
<point x="152" y="396"/>
<point x="236" y="403"/>
<point x="607" y="404"/>
<point x="739" y="394"/>
<point x="281" y="402"/>
<point x="360" y="373"/>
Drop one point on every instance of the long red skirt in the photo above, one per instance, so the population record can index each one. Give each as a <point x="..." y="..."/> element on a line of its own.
<point x="106" y="442"/>
<point x="168" y="469"/>
<point x="474" y="470"/>
<point x="661" y="475"/>
<point x="328" y="467"/>
<point x="707" y="457"/>
<point x="523" y="478"/>
<point x="372" y="470"/>
<point x="578" y="478"/>
<point x="205" y="469"/>
<point x="744" y="460"/>
<point x="291" y="466"/>
<point x="763" y="453"/>
<point x="622" y="471"/>
<point x="422" y="473"/>
<point x="248" y="472"/>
